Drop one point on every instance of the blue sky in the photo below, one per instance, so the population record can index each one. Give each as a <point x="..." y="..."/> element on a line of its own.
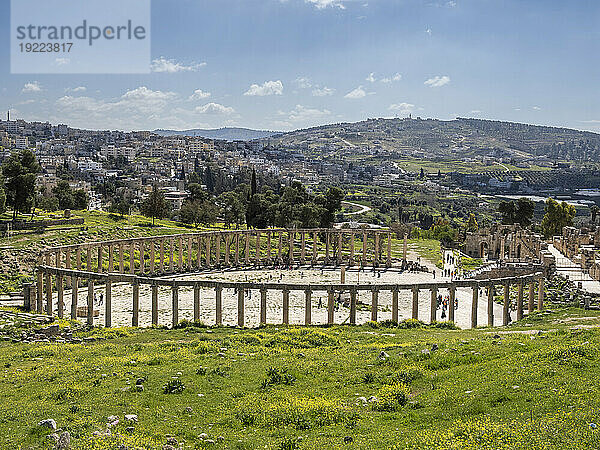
<point x="283" y="65"/>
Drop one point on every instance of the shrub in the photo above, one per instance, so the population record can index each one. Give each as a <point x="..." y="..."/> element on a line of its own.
<point x="406" y="376"/>
<point x="411" y="323"/>
<point x="277" y="376"/>
<point x="391" y="397"/>
<point x="174" y="386"/>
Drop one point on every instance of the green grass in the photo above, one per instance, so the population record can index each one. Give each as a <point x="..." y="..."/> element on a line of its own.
<point x="280" y="387"/>
<point x="429" y="249"/>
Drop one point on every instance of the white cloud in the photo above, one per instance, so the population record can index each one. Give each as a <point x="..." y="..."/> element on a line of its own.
<point x="34" y="86"/>
<point x="536" y="108"/>
<point x="199" y="94"/>
<point x="438" y="81"/>
<point x="395" y="77"/>
<point x="164" y="65"/>
<point x="322" y="92"/>
<point x="371" y="78"/>
<point x="76" y="89"/>
<point x="303" y="82"/>
<point x="357" y="93"/>
<point x="402" y="108"/>
<point x="215" y="109"/>
<point x="302" y="116"/>
<point x="267" y="88"/>
<point x="475" y="111"/>
<point x="322" y="4"/>
<point x="428" y="31"/>
<point x="62" y="61"/>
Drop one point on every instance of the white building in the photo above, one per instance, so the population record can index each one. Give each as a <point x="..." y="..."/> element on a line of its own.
<point x="21" y="142"/>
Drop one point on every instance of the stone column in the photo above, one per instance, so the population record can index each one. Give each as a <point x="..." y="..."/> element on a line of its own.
<point x="502" y="244"/>
<point x="302" y="248"/>
<point x="506" y="311"/>
<point x="307" y="307"/>
<point x="353" y="293"/>
<point x="40" y="293"/>
<point x="352" y="236"/>
<point x="60" y="294"/>
<point x="520" y="300"/>
<point x="280" y="247"/>
<point x="531" y="300"/>
<point x="78" y="258"/>
<point x="218" y="249"/>
<point x="452" y="303"/>
<point x="258" y="248"/>
<point x="49" y="294"/>
<point x="247" y="249"/>
<point x="315" y="254"/>
<point x="172" y="255"/>
<point x="405" y="247"/>
<point x="237" y="249"/>
<point x="180" y="253"/>
<point x="88" y="259"/>
<point x="340" y="248"/>
<point x="108" y="303"/>
<point x="395" y="305"/>
<point x="263" y="306"/>
<point x="268" y="247"/>
<point x="415" y="302"/>
<point x="389" y="250"/>
<point x="374" y="304"/>
<point x="132" y="258"/>
<point x="161" y="259"/>
<point x="433" y="305"/>
<point x="142" y="257"/>
<point x="175" y="305"/>
<point x="240" y="309"/>
<point x="376" y="255"/>
<point x="74" y="292"/>
<point x="154" y="305"/>
<point x="541" y="294"/>
<point x="490" y="309"/>
<point x="121" y="258"/>
<point x="152" y="257"/>
<point x="474" y="306"/>
<point x="227" y="248"/>
<point x="343" y="275"/>
<point x="68" y="265"/>
<point x="27" y="291"/>
<point x="219" y="305"/>
<point x="199" y="253"/>
<point x="111" y="258"/>
<point x="100" y="258"/>
<point x="90" y="303"/>
<point x="286" y="306"/>
<point x="330" y="307"/>
<point x="135" y="318"/>
<point x="190" y="254"/>
<point x="196" y="303"/>
<point x="327" y="244"/>
<point x="364" y="250"/>
<point x="208" y="261"/>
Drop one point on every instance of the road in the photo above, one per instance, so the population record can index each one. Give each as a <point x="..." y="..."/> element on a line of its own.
<point x="566" y="267"/>
<point x="362" y="208"/>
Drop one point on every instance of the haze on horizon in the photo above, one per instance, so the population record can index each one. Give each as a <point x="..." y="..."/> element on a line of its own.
<point x="291" y="64"/>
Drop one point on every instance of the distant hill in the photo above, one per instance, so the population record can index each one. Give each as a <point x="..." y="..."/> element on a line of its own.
<point x="452" y="139"/>
<point x="224" y="134"/>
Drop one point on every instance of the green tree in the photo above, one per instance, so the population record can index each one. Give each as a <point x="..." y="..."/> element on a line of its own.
<point x="558" y="215"/>
<point x="507" y="210"/>
<point x="253" y="185"/>
<point x="2" y="200"/>
<point x="594" y="213"/>
<point x="155" y="206"/>
<point x="332" y="204"/>
<point x="197" y="192"/>
<point x="64" y="194"/>
<point x="121" y="207"/>
<point x="472" y="223"/>
<point x="20" y="171"/>
<point x="233" y="209"/>
<point x="524" y="212"/>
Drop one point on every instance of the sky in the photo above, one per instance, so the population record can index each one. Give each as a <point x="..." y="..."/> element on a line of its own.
<point x="290" y="64"/>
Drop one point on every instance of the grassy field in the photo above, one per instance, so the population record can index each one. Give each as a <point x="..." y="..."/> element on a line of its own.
<point x="301" y="388"/>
